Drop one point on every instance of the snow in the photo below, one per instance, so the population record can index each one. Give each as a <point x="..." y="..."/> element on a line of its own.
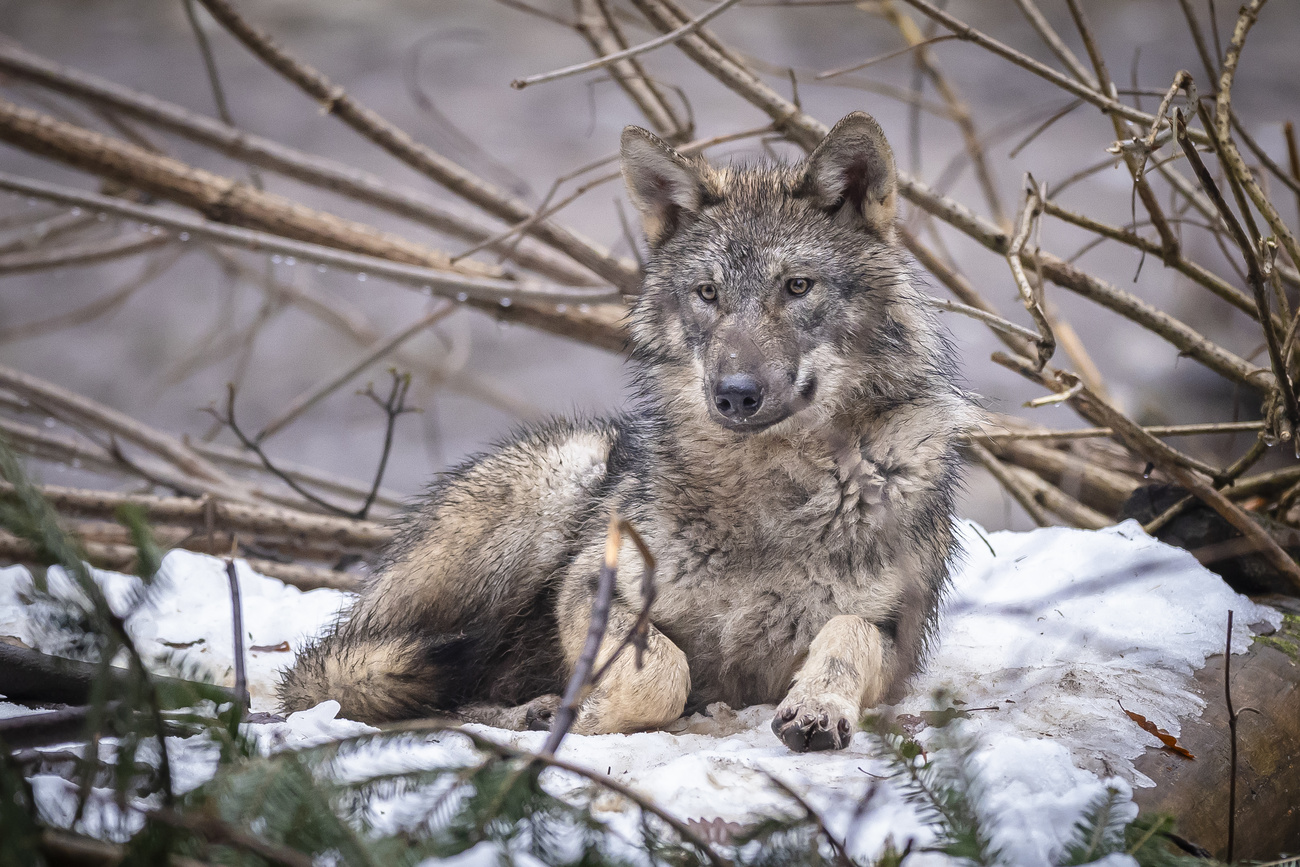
<point x="1043" y="638"/>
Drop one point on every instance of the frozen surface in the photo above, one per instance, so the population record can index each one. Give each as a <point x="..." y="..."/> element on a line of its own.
<point x="1045" y="635"/>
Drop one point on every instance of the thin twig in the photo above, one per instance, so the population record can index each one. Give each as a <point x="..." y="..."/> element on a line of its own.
<point x="1282" y="380"/>
<point x="1053" y="41"/>
<point x="580" y="680"/>
<point x="1221" y="480"/>
<point x="1173" y="430"/>
<point x="994" y="321"/>
<point x="1198" y="37"/>
<point x="533" y="304"/>
<point x="601" y="62"/>
<point x="214" y="77"/>
<point x="1013" y="484"/>
<point x="1222" y="136"/>
<point x="237" y="624"/>
<point x="256" y="150"/>
<point x="336" y="101"/>
<point x="1232" y="741"/>
<point x="598" y="24"/>
<point x="960" y="111"/>
<point x="315" y="395"/>
<point x="646" y="804"/>
<point x="842" y="858"/>
<point x="1168" y="240"/>
<point x="1262" y="155"/>
<point x="393" y="407"/>
<point x="1168" y="459"/>
<point x="585" y="675"/>
<point x="1094" y="96"/>
<point x="881" y="58"/>
<point x="1030" y="296"/>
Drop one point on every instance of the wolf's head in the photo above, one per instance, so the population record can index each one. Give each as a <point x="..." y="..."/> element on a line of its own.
<point x="772" y="292"/>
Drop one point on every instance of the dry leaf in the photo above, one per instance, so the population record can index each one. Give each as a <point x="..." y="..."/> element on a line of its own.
<point x="181" y="645"/>
<point x="1170" y="742"/>
<point x="282" y="647"/>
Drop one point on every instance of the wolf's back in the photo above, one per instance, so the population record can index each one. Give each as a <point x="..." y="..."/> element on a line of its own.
<point x="459" y="607"/>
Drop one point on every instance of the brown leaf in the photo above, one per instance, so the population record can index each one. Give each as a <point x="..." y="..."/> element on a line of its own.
<point x="1170" y="742"/>
<point x="282" y="647"/>
<point x="181" y="645"/>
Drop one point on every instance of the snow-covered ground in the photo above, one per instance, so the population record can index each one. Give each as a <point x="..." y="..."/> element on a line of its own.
<point x="1045" y="635"/>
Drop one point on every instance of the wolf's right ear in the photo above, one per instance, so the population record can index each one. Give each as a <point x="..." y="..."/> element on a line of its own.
<point x="851" y="173"/>
<point x="664" y="185"/>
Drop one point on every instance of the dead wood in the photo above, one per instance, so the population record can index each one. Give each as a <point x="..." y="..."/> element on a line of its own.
<point x="1269" y="769"/>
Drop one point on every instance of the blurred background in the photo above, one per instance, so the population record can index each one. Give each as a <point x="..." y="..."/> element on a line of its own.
<point x="169" y="329"/>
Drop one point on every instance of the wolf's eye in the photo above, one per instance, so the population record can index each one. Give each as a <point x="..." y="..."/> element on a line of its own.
<point x="798" y="285"/>
<point x="707" y="291"/>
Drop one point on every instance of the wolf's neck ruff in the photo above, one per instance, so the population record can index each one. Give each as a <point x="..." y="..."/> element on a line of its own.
<point x="791" y="461"/>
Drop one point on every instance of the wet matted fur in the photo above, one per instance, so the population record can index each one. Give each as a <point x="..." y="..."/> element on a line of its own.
<point x="791" y="460"/>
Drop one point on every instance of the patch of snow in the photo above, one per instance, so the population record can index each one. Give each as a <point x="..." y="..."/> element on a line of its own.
<point x="1042" y="639"/>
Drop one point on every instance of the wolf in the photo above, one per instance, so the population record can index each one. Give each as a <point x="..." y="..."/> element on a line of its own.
<point x="790" y="459"/>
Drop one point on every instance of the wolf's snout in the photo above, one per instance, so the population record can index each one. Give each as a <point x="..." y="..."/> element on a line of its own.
<point x="738" y="396"/>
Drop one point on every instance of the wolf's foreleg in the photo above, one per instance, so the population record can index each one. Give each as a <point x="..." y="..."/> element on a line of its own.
<point x="628" y="698"/>
<point x="844" y="673"/>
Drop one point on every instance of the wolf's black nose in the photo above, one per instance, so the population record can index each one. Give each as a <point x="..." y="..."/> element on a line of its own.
<point x="738" y="396"/>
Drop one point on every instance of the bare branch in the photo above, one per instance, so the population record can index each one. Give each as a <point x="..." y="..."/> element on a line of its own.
<point x="881" y="58"/>
<point x="1053" y="41"/>
<point x="217" y="197"/>
<point x="84" y="253"/>
<point x="598" y="26"/>
<point x="627" y="54"/>
<point x="256" y="150"/>
<point x="313" y="396"/>
<point x="81" y="411"/>
<point x="1282" y="380"/>
<point x="527" y="303"/>
<point x="336" y="101"/>
<point x="1030" y="296"/>
<point x="1228" y="154"/>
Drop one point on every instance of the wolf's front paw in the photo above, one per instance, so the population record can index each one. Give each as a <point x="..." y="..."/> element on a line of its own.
<point x="805" y="724"/>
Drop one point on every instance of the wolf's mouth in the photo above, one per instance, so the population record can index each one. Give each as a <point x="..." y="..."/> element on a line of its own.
<point x="751" y="426"/>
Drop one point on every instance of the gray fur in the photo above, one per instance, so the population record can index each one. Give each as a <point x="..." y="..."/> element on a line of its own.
<point x="833" y="498"/>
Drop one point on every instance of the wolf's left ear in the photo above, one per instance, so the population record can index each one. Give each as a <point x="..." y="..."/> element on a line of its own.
<point x="666" y="187"/>
<point x="852" y="174"/>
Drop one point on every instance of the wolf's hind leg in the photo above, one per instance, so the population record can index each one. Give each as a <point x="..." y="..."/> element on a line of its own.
<point x="536" y="715"/>
<point x="628" y="698"/>
<point x="844" y="673"/>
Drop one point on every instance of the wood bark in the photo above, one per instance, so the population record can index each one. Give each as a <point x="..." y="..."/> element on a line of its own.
<point x="1195" y="791"/>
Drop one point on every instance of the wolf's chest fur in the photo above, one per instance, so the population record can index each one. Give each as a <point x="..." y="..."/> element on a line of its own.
<point x="784" y="534"/>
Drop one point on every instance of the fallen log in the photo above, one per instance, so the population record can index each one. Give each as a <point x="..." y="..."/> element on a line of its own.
<point x="1267" y="679"/>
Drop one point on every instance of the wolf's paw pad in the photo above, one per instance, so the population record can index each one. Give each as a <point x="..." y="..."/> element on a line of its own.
<point x="808" y="725"/>
<point x="541" y="713"/>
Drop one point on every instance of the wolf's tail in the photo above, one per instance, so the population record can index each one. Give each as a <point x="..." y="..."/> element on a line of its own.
<point x="379" y="678"/>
